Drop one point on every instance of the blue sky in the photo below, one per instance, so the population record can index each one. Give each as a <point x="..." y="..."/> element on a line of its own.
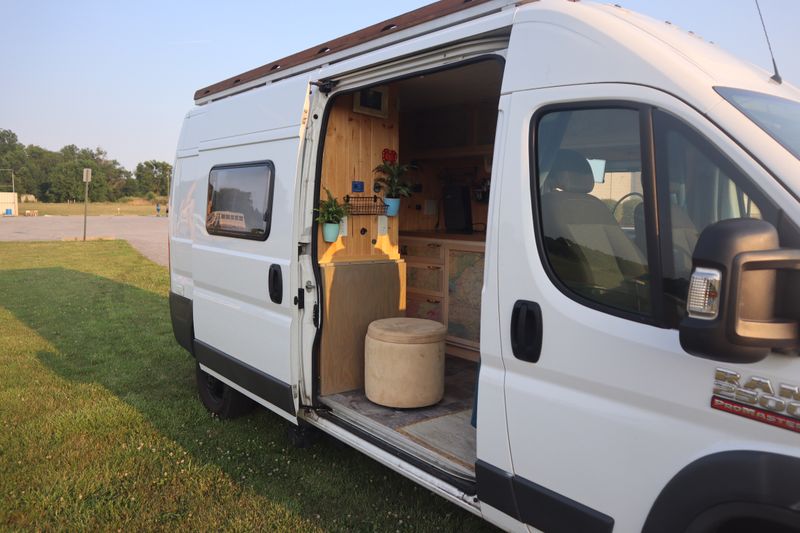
<point x="122" y="75"/>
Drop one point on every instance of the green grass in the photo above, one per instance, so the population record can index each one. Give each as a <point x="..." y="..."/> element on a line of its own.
<point x="97" y="208"/>
<point x="101" y="428"/>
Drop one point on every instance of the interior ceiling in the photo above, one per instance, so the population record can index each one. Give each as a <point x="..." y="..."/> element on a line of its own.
<point x="470" y="83"/>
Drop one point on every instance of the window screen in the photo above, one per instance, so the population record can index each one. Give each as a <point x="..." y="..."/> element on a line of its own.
<point x="240" y="200"/>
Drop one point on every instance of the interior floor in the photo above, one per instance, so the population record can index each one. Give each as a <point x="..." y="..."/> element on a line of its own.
<point x="441" y="431"/>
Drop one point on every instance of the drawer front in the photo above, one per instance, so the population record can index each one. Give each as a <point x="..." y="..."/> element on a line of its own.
<point x="428" y="307"/>
<point x="427" y="251"/>
<point x="425" y="278"/>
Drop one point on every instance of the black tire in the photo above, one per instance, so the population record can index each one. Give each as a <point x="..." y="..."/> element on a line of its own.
<point x="220" y="399"/>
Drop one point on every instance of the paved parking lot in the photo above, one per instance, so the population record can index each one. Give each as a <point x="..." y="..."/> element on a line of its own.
<point x="146" y="234"/>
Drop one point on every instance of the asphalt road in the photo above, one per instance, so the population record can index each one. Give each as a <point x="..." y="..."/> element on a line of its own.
<point x="146" y="234"/>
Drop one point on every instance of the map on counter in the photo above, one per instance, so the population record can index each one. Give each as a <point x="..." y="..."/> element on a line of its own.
<point x="465" y="281"/>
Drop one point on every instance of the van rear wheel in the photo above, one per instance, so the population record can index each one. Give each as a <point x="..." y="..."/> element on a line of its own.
<point x="220" y="399"/>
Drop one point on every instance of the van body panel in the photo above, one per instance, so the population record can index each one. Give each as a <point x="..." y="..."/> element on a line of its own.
<point x="492" y="444"/>
<point x="607" y="44"/>
<point x="602" y="379"/>
<point x="227" y="278"/>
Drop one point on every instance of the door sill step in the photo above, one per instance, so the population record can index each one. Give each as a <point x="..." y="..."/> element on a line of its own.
<point x="397" y="440"/>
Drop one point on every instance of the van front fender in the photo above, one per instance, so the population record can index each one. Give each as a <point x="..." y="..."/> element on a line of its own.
<point x="729" y="486"/>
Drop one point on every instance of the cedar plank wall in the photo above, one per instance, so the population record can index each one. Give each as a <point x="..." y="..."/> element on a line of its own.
<point x="356" y="294"/>
<point x="429" y="175"/>
<point x="452" y="143"/>
<point x="353" y="146"/>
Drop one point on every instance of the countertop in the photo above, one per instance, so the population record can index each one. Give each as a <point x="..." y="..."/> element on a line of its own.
<point x="443" y="235"/>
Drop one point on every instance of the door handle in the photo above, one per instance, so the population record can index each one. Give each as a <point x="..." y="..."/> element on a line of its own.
<point x="526" y="331"/>
<point x="275" y="284"/>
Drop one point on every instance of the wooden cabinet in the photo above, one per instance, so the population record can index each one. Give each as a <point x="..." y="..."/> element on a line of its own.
<point x="445" y="278"/>
<point x="423" y="306"/>
<point x="426" y="279"/>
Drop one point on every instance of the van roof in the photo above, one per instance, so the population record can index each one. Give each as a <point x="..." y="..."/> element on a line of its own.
<point x="325" y="51"/>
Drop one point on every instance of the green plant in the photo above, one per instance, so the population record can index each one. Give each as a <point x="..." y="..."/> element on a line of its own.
<point x="330" y="211"/>
<point x="392" y="182"/>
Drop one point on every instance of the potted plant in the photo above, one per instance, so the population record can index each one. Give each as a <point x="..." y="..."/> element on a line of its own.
<point x="392" y="183"/>
<point x="330" y="213"/>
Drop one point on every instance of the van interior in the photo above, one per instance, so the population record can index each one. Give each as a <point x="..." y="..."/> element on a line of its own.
<point x="426" y="262"/>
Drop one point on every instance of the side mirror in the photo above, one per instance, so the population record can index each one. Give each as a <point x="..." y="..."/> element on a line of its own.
<point x="730" y="308"/>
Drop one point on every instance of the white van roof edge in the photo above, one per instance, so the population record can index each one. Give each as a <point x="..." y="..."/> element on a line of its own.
<point x="427" y="19"/>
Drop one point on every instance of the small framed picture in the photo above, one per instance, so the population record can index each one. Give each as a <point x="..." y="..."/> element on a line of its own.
<point x="374" y="102"/>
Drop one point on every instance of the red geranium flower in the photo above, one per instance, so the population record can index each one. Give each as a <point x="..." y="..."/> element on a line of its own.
<point x="389" y="156"/>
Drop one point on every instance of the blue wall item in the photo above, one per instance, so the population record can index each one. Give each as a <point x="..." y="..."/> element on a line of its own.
<point x="330" y="232"/>
<point x="392" y="206"/>
<point x="9" y="212"/>
<point x="358" y="186"/>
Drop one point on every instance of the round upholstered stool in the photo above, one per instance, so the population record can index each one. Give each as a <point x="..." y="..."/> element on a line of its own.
<point x="404" y="362"/>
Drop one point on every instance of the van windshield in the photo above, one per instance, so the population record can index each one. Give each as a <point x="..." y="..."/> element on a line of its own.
<point x="779" y="117"/>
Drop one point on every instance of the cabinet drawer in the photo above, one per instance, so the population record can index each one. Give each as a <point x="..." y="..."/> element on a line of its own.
<point x="428" y="307"/>
<point x="425" y="278"/>
<point x="430" y="252"/>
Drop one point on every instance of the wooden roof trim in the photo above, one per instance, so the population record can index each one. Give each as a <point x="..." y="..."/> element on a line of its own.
<point x="412" y="18"/>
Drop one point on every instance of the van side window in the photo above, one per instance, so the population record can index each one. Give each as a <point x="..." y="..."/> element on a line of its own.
<point x="589" y="178"/>
<point x="240" y="200"/>
<point x="697" y="186"/>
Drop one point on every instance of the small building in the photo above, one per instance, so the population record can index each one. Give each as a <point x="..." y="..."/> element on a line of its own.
<point x="9" y="204"/>
<point x="27" y="198"/>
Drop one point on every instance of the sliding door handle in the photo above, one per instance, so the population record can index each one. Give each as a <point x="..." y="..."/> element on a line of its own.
<point x="526" y="331"/>
<point x="275" y="284"/>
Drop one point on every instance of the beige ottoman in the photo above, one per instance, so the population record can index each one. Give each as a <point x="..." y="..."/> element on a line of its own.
<point x="404" y="362"/>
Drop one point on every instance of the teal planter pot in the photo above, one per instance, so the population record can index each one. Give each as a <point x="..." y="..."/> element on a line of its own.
<point x="392" y="206"/>
<point x="330" y="232"/>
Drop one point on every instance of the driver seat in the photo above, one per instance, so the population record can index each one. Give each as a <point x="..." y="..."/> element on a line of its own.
<point x="585" y="245"/>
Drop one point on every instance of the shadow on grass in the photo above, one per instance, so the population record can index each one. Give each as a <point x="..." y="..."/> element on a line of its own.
<point x="120" y="337"/>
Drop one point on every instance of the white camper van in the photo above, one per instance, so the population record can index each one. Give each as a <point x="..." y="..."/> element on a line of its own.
<point x="603" y="224"/>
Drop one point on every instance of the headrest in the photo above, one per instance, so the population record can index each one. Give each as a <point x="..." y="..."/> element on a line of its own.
<point x="571" y="172"/>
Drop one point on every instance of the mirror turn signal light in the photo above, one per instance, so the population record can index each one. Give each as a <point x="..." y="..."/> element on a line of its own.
<point x="703" y="299"/>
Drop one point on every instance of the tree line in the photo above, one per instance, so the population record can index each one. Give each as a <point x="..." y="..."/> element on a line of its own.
<point x="57" y="176"/>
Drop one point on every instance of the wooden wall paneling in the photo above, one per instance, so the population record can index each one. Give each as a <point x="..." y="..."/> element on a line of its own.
<point x="355" y="295"/>
<point x="354" y="143"/>
<point x="430" y="175"/>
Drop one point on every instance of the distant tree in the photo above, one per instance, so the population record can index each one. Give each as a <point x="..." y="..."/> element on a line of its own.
<point x="153" y="176"/>
<point x="57" y="176"/>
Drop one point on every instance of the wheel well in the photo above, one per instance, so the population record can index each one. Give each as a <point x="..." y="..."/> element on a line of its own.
<point x="730" y="492"/>
<point x="749" y="525"/>
<point x="746" y="518"/>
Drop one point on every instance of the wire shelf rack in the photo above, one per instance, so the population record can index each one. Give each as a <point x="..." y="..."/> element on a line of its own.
<point x="366" y="205"/>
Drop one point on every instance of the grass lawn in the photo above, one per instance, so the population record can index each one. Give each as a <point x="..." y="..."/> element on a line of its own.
<point x="102" y="429"/>
<point x="98" y="208"/>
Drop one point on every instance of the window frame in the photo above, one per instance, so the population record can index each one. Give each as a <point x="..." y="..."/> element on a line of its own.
<point x="268" y="201"/>
<point x="657" y="305"/>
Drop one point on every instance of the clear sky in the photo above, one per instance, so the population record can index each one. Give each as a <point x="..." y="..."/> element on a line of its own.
<point x="121" y="75"/>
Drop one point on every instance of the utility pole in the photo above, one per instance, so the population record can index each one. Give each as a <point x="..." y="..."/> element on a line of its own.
<point x="87" y="177"/>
